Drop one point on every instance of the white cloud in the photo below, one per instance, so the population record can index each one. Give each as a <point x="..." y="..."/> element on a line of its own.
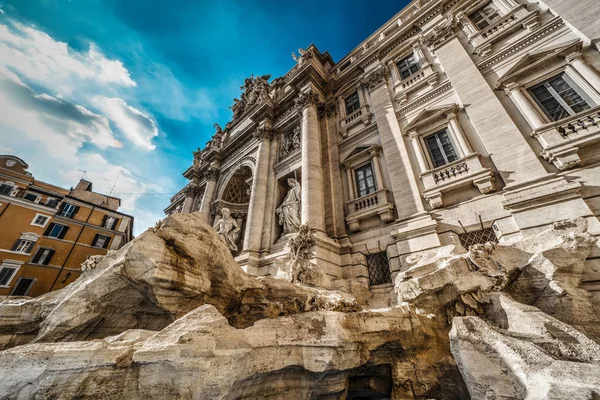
<point x="139" y="128"/>
<point x="41" y="59"/>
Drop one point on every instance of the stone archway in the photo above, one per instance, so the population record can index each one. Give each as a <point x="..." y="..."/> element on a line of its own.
<point x="235" y="196"/>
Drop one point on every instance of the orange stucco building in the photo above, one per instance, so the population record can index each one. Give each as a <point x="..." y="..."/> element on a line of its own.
<point x="46" y="231"/>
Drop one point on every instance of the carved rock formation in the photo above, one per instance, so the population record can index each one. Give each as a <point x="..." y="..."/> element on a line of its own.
<point x="171" y="315"/>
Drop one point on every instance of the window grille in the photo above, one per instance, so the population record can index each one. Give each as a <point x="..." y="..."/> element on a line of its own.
<point x="379" y="268"/>
<point x="236" y="191"/>
<point x="482" y="236"/>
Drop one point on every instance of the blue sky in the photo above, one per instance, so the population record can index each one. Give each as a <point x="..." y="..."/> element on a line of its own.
<point x="135" y="86"/>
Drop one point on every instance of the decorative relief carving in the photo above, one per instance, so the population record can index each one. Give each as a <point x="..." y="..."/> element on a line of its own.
<point x="438" y="35"/>
<point x="291" y="143"/>
<point x="255" y="91"/>
<point x="264" y="133"/>
<point x="211" y="174"/>
<point x="377" y="77"/>
<point x="306" y="99"/>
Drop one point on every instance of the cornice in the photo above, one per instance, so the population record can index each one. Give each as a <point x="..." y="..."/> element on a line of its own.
<point x="509" y="50"/>
<point x="441" y="88"/>
<point x="358" y="137"/>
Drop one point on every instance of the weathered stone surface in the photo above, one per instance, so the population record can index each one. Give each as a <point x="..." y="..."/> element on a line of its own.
<point x="171" y="315"/>
<point x="524" y="354"/>
<point x="152" y="281"/>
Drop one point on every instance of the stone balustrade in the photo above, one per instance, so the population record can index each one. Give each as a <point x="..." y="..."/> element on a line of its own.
<point x="562" y="140"/>
<point x="374" y="204"/>
<point x="517" y="18"/>
<point x="362" y="115"/>
<point x="464" y="172"/>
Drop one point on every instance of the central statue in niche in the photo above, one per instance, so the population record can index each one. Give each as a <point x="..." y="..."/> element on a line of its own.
<point x="228" y="229"/>
<point x="289" y="211"/>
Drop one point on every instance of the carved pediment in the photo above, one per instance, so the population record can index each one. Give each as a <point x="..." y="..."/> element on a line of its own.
<point x="533" y="60"/>
<point x="430" y="114"/>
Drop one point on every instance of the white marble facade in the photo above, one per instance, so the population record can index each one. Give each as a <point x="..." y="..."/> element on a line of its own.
<point x="456" y="117"/>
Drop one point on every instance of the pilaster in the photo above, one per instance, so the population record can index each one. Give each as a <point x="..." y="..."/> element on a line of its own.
<point x="407" y="197"/>
<point x="211" y="175"/>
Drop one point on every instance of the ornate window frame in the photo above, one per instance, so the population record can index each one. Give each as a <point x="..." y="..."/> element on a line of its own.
<point x="465" y="171"/>
<point x="426" y="75"/>
<point x="514" y="16"/>
<point x="376" y="203"/>
<point x="362" y="115"/>
<point x="561" y="140"/>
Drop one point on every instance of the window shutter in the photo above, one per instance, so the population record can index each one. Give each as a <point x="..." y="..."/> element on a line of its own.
<point x="61" y="208"/>
<point x="104" y="220"/>
<point x="63" y="232"/>
<point x="37" y="256"/>
<point x="114" y="224"/>
<point x="95" y="239"/>
<point x="14" y="247"/>
<point x="436" y="154"/>
<point x="106" y="243"/>
<point x="75" y="211"/>
<point x="49" y="229"/>
<point x="50" y="254"/>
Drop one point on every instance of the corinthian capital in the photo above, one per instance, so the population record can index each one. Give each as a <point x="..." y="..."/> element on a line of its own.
<point x="264" y="133"/>
<point x="307" y="98"/>
<point x="211" y="174"/>
<point x="377" y="77"/>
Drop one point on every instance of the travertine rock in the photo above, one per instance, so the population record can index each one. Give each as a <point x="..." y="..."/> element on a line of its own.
<point x="525" y="354"/>
<point x="171" y="315"/>
<point x="152" y="281"/>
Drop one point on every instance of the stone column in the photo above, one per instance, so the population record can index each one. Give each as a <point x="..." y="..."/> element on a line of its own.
<point x="529" y="113"/>
<point x="269" y="211"/>
<point x="406" y="193"/>
<point x="312" y="172"/>
<point x="190" y="194"/>
<point x="377" y="168"/>
<point x="513" y="157"/>
<point x="587" y="72"/>
<point x="414" y="141"/>
<point x="211" y="174"/>
<point x="258" y="197"/>
<point x="459" y="134"/>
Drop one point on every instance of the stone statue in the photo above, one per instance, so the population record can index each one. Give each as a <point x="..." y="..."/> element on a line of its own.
<point x="228" y="229"/>
<point x="289" y="211"/>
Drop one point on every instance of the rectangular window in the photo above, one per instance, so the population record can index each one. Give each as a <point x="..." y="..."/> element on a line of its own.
<point x="379" y="268"/>
<point x="352" y="103"/>
<point x="40" y="220"/>
<point x="23" y="245"/>
<point x="30" y="197"/>
<point x="6" y="275"/>
<point x="558" y="97"/>
<point x="101" y="241"/>
<point x="42" y="256"/>
<point x="68" y="210"/>
<point x="56" y="230"/>
<point x="408" y="66"/>
<point x="440" y="149"/>
<point x="6" y="189"/>
<point x="109" y="222"/>
<point x="365" y="180"/>
<point x="52" y="202"/>
<point x="23" y="287"/>
<point x="485" y="16"/>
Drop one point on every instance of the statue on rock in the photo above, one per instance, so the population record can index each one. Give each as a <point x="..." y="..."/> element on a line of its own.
<point x="289" y="211"/>
<point x="228" y="229"/>
<point x="302" y="269"/>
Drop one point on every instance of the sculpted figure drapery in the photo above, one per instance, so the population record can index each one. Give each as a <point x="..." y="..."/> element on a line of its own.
<point x="289" y="211"/>
<point x="228" y="229"/>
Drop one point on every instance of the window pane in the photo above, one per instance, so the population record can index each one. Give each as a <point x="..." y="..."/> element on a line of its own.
<point x="435" y="151"/>
<point x="55" y="232"/>
<point x="5" y="189"/>
<point x="447" y="147"/>
<point x="22" y="287"/>
<point x="352" y="103"/>
<point x="558" y="99"/>
<point x="408" y="66"/>
<point x="5" y="275"/>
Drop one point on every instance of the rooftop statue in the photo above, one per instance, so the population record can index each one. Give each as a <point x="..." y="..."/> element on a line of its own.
<point x="254" y="91"/>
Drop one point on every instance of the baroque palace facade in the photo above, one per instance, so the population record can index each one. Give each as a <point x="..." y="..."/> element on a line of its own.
<point x="47" y="232"/>
<point x="456" y="122"/>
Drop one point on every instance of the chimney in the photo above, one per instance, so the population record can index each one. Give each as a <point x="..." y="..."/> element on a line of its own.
<point x="84" y="185"/>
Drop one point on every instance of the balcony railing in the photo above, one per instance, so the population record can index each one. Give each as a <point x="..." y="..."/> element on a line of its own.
<point x="562" y="139"/>
<point x="468" y="171"/>
<point x="361" y="115"/>
<point x="373" y="204"/>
